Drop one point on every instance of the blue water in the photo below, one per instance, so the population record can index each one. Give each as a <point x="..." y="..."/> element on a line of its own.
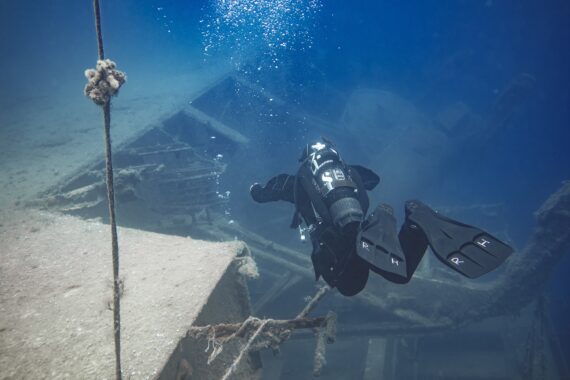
<point x="430" y="53"/>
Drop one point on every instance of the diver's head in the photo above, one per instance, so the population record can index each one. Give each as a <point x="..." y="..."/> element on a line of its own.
<point x="333" y="183"/>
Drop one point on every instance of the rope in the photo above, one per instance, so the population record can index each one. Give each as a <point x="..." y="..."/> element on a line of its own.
<point x="105" y="82"/>
<point x="97" y="10"/>
<point x="114" y="242"/>
<point x="314" y="301"/>
<point x="278" y="332"/>
<point x="245" y="348"/>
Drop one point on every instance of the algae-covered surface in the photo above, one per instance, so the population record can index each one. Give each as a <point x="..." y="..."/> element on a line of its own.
<point x="56" y="296"/>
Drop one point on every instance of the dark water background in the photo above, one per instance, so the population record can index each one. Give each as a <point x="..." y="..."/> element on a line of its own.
<point x="431" y="53"/>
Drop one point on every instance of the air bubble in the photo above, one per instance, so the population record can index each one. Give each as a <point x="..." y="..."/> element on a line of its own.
<point x="266" y="27"/>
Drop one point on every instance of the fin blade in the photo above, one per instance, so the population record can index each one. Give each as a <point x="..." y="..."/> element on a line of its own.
<point x="464" y="248"/>
<point x="378" y="244"/>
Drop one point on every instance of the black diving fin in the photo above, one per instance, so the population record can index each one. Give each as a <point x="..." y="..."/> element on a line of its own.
<point x="464" y="248"/>
<point x="378" y="244"/>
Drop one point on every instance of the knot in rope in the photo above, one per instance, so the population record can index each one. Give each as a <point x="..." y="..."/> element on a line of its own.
<point x="103" y="81"/>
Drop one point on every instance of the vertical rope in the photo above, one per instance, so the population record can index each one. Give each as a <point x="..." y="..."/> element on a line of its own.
<point x="111" y="198"/>
<point x="114" y="241"/>
<point x="97" y="10"/>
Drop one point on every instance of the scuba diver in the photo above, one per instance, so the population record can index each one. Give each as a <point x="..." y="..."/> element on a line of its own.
<point x="331" y="198"/>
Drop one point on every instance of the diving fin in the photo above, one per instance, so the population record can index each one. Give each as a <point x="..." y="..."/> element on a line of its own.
<point x="378" y="244"/>
<point x="464" y="248"/>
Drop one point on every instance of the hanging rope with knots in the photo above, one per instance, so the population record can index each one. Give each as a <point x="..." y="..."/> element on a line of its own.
<point x="103" y="82"/>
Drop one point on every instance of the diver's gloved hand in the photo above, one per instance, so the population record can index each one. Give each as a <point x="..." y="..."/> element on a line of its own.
<point x="256" y="192"/>
<point x="278" y="188"/>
